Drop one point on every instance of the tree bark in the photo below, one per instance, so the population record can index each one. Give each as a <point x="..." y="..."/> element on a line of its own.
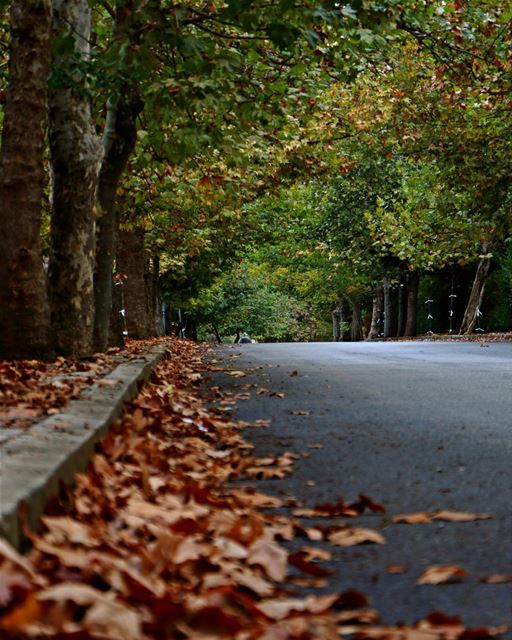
<point x="119" y="142"/>
<point x="388" y="308"/>
<point x="413" y="282"/>
<point x="477" y="293"/>
<point x="378" y="303"/>
<point x="336" y="323"/>
<point x="402" y="307"/>
<point x="356" y="326"/>
<point x="131" y="268"/>
<point x="24" y="308"/>
<point x="76" y="154"/>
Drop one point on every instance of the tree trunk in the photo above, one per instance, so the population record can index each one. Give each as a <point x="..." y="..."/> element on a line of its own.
<point x="336" y="324"/>
<point x="131" y="268"/>
<point x="24" y="308"/>
<point x="75" y="159"/>
<point x="402" y="307"/>
<point x="388" y="307"/>
<point x="119" y="142"/>
<point x="117" y="319"/>
<point x="378" y="302"/>
<point x="356" y="327"/>
<point x="412" y="304"/>
<point x="476" y="295"/>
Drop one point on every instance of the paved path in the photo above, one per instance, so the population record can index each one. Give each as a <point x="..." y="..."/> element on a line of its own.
<point x="417" y="426"/>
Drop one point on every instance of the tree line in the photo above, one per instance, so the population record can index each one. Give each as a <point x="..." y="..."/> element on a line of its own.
<point x="322" y="153"/>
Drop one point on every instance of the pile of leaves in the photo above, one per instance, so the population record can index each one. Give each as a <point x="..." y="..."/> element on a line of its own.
<point x="156" y="541"/>
<point x="31" y="389"/>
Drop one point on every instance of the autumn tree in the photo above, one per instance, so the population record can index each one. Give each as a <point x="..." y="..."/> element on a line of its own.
<point x="24" y="308"/>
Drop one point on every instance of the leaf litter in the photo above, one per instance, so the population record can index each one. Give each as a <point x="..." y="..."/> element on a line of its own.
<point x="156" y="542"/>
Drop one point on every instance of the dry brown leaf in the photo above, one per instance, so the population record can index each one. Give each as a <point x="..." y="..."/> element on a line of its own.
<point x="396" y="569"/>
<point x="105" y="614"/>
<point x="314" y="553"/>
<point x="279" y="609"/>
<point x="10" y="553"/>
<point x="270" y="556"/>
<point x="497" y="578"/>
<point x="460" y="516"/>
<point x="66" y="528"/>
<point x="446" y="515"/>
<point x="352" y="536"/>
<point x="108" y="382"/>
<point x="237" y="374"/>
<point x="28" y="611"/>
<point x="314" y="534"/>
<point x="441" y="574"/>
<point x="413" y="518"/>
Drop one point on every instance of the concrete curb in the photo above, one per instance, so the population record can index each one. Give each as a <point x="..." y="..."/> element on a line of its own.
<point x="34" y="464"/>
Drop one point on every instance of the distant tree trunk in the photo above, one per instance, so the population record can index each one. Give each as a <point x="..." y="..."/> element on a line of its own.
<point x="24" y="308"/>
<point x="117" y="323"/>
<point x="76" y="154"/>
<point x="131" y="268"/>
<point x="402" y="307"/>
<point x="412" y="304"/>
<point x="388" y="308"/>
<point x="336" y="323"/>
<point x="378" y="302"/>
<point x="158" y="323"/>
<point x="477" y="293"/>
<point x="356" y="326"/>
<point x="119" y="142"/>
<point x="216" y="333"/>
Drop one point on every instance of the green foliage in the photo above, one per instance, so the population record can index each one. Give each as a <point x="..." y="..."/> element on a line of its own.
<point x="244" y="300"/>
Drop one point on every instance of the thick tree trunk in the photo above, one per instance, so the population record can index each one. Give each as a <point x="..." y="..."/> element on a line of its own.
<point x="119" y="142"/>
<point x="131" y="268"/>
<point x="76" y="154"/>
<point x="356" y="326"/>
<point x="378" y="303"/>
<point x="477" y="293"/>
<point x="388" y="308"/>
<point x="24" y="308"/>
<point x="412" y="304"/>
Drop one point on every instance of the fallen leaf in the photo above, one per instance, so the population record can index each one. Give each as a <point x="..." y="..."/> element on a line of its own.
<point x="25" y="613"/>
<point x="279" y="609"/>
<point x="498" y="578"/>
<point x="300" y="412"/>
<point x="441" y="574"/>
<point x="396" y="569"/>
<point x="270" y="556"/>
<point x="108" y="382"/>
<point x="237" y="374"/>
<point x="460" y="516"/>
<point x="412" y="518"/>
<point x="294" y="373"/>
<point x="349" y="537"/>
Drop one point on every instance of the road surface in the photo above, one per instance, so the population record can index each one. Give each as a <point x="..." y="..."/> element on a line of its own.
<point x="418" y="426"/>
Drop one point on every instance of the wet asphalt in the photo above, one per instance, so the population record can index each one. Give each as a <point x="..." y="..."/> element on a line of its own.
<point x="417" y="426"/>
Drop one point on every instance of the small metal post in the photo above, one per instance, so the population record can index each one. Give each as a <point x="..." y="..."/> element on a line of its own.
<point x="430" y="317"/>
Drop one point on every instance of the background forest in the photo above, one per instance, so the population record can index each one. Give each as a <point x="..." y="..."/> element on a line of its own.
<point x="297" y="171"/>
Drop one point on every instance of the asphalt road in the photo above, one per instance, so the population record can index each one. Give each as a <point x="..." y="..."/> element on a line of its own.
<point x="418" y="426"/>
